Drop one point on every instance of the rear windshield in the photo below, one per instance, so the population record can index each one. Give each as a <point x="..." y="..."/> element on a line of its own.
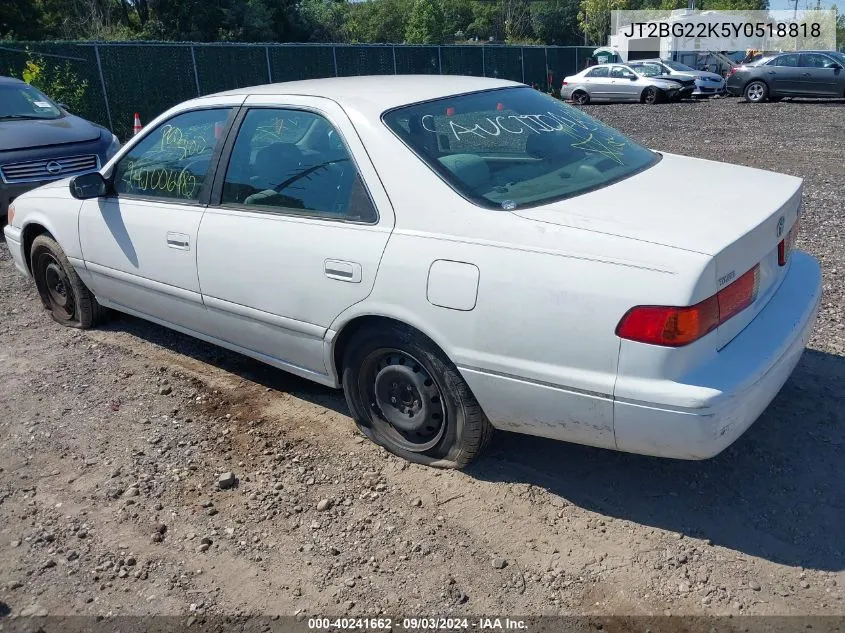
<point x="21" y="101"/>
<point x="516" y="147"/>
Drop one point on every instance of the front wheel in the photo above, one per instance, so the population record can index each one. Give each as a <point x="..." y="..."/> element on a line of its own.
<point x="405" y="395"/>
<point x="651" y="96"/>
<point x="62" y="291"/>
<point x="756" y="91"/>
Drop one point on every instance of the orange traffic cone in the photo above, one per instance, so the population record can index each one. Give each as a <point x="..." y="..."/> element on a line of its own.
<point x="136" y="127"/>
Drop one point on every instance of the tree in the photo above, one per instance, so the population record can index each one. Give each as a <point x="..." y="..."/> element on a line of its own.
<point x="18" y="20"/>
<point x="425" y="25"/>
<point x="324" y="20"/>
<point x="488" y="20"/>
<point x="457" y="16"/>
<point x="594" y="18"/>
<point x="556" y="22"/>
<point x="377" y="21"/>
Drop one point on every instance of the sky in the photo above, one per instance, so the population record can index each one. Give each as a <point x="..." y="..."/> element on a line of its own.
<point x="782" y="5"/>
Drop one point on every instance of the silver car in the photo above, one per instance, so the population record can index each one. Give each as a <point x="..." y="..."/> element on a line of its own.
<point x="707" y="84"/>
<point x="617" y="82"/>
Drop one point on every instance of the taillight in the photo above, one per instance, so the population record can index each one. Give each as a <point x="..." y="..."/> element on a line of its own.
<point x="565" y="83"/>
<point x="784" y="248"/>
<point x="732" y="70"/>
<point x="672" y="326"/>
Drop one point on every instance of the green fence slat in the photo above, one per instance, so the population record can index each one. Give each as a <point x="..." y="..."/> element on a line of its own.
<point x="228" y="67"/>
<point x="147" y="79"/>
<point x="463" y="60"/>
<point x="364" y="60"/>
<point x="290" y="63"/>
<point x="417" y="60"/>
<point x="503" y="62"/>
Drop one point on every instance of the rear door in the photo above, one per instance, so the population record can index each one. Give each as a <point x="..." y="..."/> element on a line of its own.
<point x="784" y="74"/>
<point x="818" y="75"/>
<point x="598" y="84"/>
<point x="294" y="231"/>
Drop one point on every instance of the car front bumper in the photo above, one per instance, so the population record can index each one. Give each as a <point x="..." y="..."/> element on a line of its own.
<point x="708" y="89"/>
<point x="14" y="242"/>
<point x="733" y="389"/>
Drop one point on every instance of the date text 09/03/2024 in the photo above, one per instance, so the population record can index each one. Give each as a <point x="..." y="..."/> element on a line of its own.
<point x="415" y="624"/>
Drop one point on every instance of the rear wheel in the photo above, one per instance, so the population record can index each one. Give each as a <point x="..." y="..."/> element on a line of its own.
<point x="406" y="396"/>
<point x="756" y="91"/>
<point x="62" y="291"/>
<point x="651" y="96"/>
<point x="580" y="97"/>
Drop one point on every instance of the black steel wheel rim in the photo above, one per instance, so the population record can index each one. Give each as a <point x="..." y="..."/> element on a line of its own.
<point x="406" y="403"/>
<point x="580" y="98"/>
<point x="56" y="287"/>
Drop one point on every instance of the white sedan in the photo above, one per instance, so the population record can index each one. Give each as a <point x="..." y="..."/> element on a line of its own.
<point x="458" y="254"/>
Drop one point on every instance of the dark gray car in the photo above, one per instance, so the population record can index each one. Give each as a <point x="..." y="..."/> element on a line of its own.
<point x="801" y="74"/>
<point x="41" y="141"/>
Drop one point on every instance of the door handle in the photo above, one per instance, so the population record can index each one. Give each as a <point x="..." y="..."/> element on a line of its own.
<point x="806" y="74"/>
<point x="179" y="241"/>
<point x="771" y="72"/>
<point x="342" y="270"/>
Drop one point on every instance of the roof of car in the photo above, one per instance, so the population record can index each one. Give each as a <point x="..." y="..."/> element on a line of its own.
<point x="9" y="80"/>
<point x="381" y="92"/>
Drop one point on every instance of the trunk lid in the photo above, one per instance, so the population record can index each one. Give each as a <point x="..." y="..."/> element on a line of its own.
<point x="735" y="214"/>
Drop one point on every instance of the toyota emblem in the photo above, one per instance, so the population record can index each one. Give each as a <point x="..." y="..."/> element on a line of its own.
<point x="53" y="168"/>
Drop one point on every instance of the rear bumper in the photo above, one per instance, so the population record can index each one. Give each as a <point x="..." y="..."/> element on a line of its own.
<point x="15" y="245"/>
<point x="732" y="389"/>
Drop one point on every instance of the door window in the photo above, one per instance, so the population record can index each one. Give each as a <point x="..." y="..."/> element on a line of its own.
<point x="618" y="72"/>
<point x="787" y="60"/>
<point x="173" y="161"/>
<point x="815" y="60"/>
<point x="598" y="72"/>
<point x="293" y="161"/>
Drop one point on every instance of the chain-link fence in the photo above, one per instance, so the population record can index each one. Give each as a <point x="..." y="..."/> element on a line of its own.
<point x="123" y="78"/>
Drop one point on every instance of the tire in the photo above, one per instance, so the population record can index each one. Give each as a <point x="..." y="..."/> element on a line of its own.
<point x="651" y="96"/>
<point x="579" y="97"/>
<point x="393" y="372"/>
<point x="756" y="91"/>
<point x="60" y="288"/>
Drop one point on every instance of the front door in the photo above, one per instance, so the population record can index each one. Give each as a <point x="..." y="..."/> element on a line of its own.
<point x="624" y="84"/>
<point x="294" y="233"/>
<point x="820" y="75"/>
<point x="139" y="243"/>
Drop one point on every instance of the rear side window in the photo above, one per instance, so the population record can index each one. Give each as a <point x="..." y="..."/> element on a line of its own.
<point x="516" y="147"/>
<point x="815" y="60"/>
<point x="787" y="60"/>
<point x="598" y="72"/>
<point x="173" y="161"/>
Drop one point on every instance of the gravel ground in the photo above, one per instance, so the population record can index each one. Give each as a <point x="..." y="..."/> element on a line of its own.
<point x="114" y="442"/>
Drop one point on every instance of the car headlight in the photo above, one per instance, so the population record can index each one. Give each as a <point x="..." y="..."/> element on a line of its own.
<point x="114" y="146"/>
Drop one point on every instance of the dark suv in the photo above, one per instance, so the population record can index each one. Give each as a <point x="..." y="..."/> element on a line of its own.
<point x="40" y="141"/>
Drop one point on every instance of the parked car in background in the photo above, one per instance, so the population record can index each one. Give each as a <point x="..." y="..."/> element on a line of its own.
<point x="40" y="141"/>
<point x="458" y="253"/>
<point x="706" y="84"/>
<point x="620" y="82"/>
<point x="802" y="74"/>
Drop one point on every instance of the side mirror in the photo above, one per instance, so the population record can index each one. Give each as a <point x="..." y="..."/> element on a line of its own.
<point x="835" y="66"/>
<point x="63" y="106"/>
<point x="633" y="77"/>
<point x="88" y="186"/>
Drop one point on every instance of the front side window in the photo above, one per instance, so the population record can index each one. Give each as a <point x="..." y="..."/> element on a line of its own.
<point x="620" y="72"/>
<point x="22" y="101"/>
<point x="516" y="147"/>
<point x="173" y="161"/>
<point x="598" y="72"/>
<point x="648" y="70"/>
<point x="815" y="60"/>
<point x="294" y="161"/>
